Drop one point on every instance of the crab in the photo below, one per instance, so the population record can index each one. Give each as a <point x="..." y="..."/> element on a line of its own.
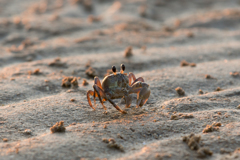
<point x="119" y="85"/>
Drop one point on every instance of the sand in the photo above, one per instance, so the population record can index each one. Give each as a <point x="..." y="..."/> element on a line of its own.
<point x="45" y="41"/>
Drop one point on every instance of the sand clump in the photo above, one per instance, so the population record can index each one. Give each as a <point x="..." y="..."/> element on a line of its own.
<point x="190" y="35"/>
<point x="85" y="82"/>
<point x="92" y="19"/>
<point x="174" y="117"/>
<point x="193" y="143"/>
<point x="5" y="140"/>
<point x="224" y="151"/>
<point x="112" y="144"/>
<point x="105" y="126"/>
<point x="35" y="72"/>
<point x="27" y="132"/>
<point x="230" y="155"/>
<point x="200" y="91"/>
<point x="207" y="76"/>
<point x="163" y="156"/>
<point x="185" y="116"/>
<point x="91" y="72"/>
<point x="218" y="89"/>
<point x="14" y="49"/>
<point x="217" y="124"/>
<point x="192" y="65"/>
<point x="128" y="52"/>
<point x="72" y="100"/>
<point x="74" y="82"/>
<point x="204" y="152"/>
<point x="119" y="136"/>
<point x="238" y="107"/>
<point x="235" y="74"/>
<point x="68" y="82"/>
<point x="180" y="91"/>
<point x="25" y="44"/>
<point x="185" y="63"/>
<point x="181" y="116"/>
<point x="58" y="127"/>
<point x="142" y="10"/>
<point x="167" y="29"/>
<point x="211" y="128"/>
<point x="57" y="63"/>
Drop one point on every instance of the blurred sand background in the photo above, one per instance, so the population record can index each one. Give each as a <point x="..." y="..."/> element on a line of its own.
<point x="64" y="37"/>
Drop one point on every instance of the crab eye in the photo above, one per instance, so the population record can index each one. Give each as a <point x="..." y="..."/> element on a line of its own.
<point x="123" y="67"/>
<point x="114" y="69"/>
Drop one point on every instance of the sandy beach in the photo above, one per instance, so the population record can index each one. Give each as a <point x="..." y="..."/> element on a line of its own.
<point x="187" y="51"/>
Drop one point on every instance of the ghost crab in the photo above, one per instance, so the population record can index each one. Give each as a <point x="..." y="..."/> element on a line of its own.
<point x="119" y="85"/>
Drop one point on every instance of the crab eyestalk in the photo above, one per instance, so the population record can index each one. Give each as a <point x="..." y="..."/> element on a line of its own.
<point x="114" y="70"/>
<point x="122" y="68"/>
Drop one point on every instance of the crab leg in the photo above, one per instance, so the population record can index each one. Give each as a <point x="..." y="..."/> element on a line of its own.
<point x="88" y="97"/>
<point x="100" y="94"/>
<point x="94" y="93"/>
<point x="138" y="79"/>
<point x="132" y="76"/>
<point x="119" y="109"/>
<point x="128" y="100"/>
<point x="97" y="82"/>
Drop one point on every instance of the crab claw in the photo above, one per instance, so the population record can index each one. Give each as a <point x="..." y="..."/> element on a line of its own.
<point x="143" y="95"/>
<point x="143" y="91"/>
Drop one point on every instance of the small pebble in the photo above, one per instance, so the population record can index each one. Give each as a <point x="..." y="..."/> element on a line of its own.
<point x="128" y="52"/>
<point x="58" y="127"/>
<point x="184" y="63"/>
<point x="105" y="140"/>
<point x="207" y="76"/>
<point x="238" y="107"/>
<point x="174" y="117"/>
<point x="235" y="74"/>
<point x="190" y="35"/>
<point x="85" y="82"/>
<point x="180" y="91"/>
<point x="5" y="139"/>
<point x="155" y="136"/>
<point x="200" y="91"/>
<point x="27" y="132"/>
<point x="218" y="89"/>
<point x="192" y="65"/>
